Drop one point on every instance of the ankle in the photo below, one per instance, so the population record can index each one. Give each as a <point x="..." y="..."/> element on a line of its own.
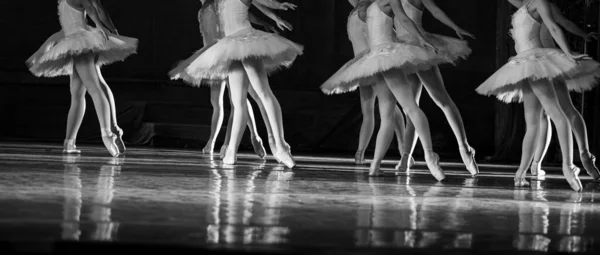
<point x="106" y="132"/>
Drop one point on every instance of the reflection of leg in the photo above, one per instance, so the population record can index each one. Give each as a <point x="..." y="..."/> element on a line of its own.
<point x="216" y="100"/>
<point x="239" y="92"/>
<point x="101" y="211"/>
<point x="367" y="106"/>
<point x="387" y="103"/>
<point x="72" y="203"/>
<point x="547" y="95"/>
<point x="410" y="135"/>
<point x="76" y="113"/>
<point x="533" y="109"/>
<point x="579" y="129"/>
<point x="543" y="138"/>
<point x="432" y="79"/>
<point x="396" y="81"/>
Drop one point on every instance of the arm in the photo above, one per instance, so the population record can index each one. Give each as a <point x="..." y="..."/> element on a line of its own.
<point x="282" y="24"/>
<point x="255" y="20"/>
<point x="442" y="17"/>
<point x="104" y="17"/>
<point x="274" y="4"/>
<point x="406" y="22"/>
<point x="516" y="3"/>
<point x="564" y="22"/>
<point x="543" y="8"/>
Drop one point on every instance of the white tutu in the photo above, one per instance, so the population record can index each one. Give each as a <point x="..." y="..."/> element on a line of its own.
<point x="584" y="77"/>
<point x="55" y="57"/>
<point x="365" y="67"/>
<point x="179" y="71"/>
<point x="450" y="49"/>
<point x="534" y="64"/>
<point x="273" y="50"/>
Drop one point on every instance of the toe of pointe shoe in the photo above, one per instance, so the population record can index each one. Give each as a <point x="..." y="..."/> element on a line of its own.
<point x="222" y="152"/>
<point x="572" y="176"/>
<point x="286" y="159"/>
<point x="521" y="183"/>
<point x="589" y="163"/>
<point x="376" y="173"/>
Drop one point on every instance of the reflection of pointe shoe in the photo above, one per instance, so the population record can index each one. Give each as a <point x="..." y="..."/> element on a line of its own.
<point x="70" y="148"/>
<point x="110" y="142"/>
<point x="259" y="149"/>
<point x="285" y="157"/>
<point x="120" y="143"/>
<point x="359" y="158"/>
<point x="536" y="170"/>
<point x="468" y="157"/>
<point x="589" y="163"/>
<point x="572" y="176"/>
<point x="223" y="151"/>
<point x="230" y="157"/>
<point x="433" y="163"/>
<point x="520" y="179"/>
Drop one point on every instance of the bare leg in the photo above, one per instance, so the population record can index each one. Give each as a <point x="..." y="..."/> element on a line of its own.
<point x="410" y="135"/>
<point x="387" y="103"/>
<point x="396" y="81"/>
<point x="265" y="118"/>
<point x="259" y="81"/>
<point x="579" y="129"/>
<point x="533" y="109"/>
<point x="367" y="105"/>
<point x="543" y="138"/>
<point x="113" y="110"/>
<point x="239" y="91"/>
<point x="86" y="69"/>
<point x="229" y="126"/>
<point x="216" y="100"/>
<point x="432" y="79"/>
<point x="76" y="113"/>
<point x="546" y="93"/>
<point x="399" y="128"/>
<point x="257" y="144"/>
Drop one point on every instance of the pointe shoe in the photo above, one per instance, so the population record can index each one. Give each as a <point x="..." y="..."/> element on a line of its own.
<point x="259" y="149"/>
<point x="70" y="148"/>
<point x="433" y="163"/>
<point x="230" y="157"/>
<point x="359" y="158"/>
<point x="589" y="163"/>
<point x="520" y="180"/>
<point x="406" y="162"/>
<point x="285" y="157"/>
<point x="110" y="142"/>
<point x="376" y="173"/>
<point x="468" y="157"/>
<point x="223" y="151"/>
<point x="536" y="171"/>
<point x="120" y="142"/>
<point x="572" y="176"/>
<point x="208" y="149"/>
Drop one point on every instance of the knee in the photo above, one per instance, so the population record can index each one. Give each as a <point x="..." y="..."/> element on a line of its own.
<point x="216" y="102"/>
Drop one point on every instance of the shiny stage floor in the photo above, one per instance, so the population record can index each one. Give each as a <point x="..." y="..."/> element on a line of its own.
<point x="154" y="198"/>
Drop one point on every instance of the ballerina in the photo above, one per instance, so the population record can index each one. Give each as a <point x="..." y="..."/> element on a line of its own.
<point x="544" y="135"/>
<point x="247" y="53"/>
<point x="391" y="61"/>
<point x="79" y="51"/>
<point x="357" y="33"/>
<point x="449" y="51"/>
<point x="209" y="28"/>
<point x="529" y="77"/>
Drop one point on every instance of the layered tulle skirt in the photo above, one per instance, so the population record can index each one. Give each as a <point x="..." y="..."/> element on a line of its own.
<point x="539" y="63"/>
<point x="450" y="49"/>
<point x="214" y="62"/>
<point x="55" y="56"/>
<point x="365" y="68"/>
<point x="179" y="72"/>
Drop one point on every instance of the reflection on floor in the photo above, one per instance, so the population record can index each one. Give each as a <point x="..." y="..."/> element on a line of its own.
<point x="182" y="198"/>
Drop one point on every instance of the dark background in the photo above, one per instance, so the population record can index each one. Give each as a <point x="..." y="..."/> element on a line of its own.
<point x="158" y="112"/>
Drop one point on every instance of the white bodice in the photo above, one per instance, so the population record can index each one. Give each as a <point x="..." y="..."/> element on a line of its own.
<point x="233" y="16"/>
<point x="379" y="25"/>
<point x="525" y="31"/>
<point x="209" y="23"/>
<point x="71" y="19"/>
<point x="414" y="14"/>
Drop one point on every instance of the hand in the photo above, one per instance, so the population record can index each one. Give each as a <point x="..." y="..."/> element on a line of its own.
<point x="591" y="36"/>
<point x="104" y="32"/>
<point x="283" y="25"/>
<point x="460" y="32"/>
<point x="287" y="6"/>
<point x="116" y="32"/>
<point x="578" y="57"/>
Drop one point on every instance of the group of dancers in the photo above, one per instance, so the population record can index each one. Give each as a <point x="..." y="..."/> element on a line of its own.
<point x="394" y="59"/>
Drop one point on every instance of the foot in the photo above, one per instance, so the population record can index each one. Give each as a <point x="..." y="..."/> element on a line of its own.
<point x="70" y="148"/>
<point x="284" y="156"/>
<point x="120" y="143"/>
<point x="468" y="157"/>
<point x="359" y="157"/>
<point x="433" y="163"/>
<point x="520" y="180"/>
<point x="110" y="142"/>
<point x="208" y="148"/>
<point x="406" y="162"/>
<point x="589" y="163"/>
<point x="222" y="152"/>
<point x="259" y="149"/>
<point x="536" y="170"/>
<point x="230" y="157"/>
<point x="572" y="175"/>
<point x="376" y="173"/>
